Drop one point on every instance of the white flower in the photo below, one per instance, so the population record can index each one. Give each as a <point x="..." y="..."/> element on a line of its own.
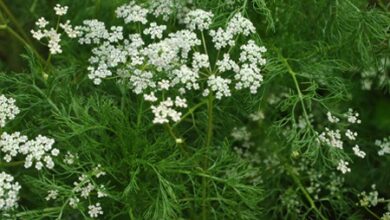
<point x="206" y="92"/>
<point x="358" y="152"/>
<point x="227" y="64"/>
<point x="161" y="55"/>
<point x="370" y="199"/>
<point x="180" y="102"/>
<point x="73" y="202"/>
<point x="186" y="77"/>
<point x="331" y="138"/>
<point x="98" y="171"/>
<point x="69" y="30"/>
<point x="99" y="73"/>
<point x="54" y="41"/>
<point x="141" y="80"/>
<point x="51" y="195"/>
<point x="241" y="134"/>
<point x="155" y="31"/>
<point x="259" y="115"/>
<point x="8" y="110"/>
<point x="384" y="146"/>
<point x="222" y="38"/>
<point x="60" y="10"/>
<point x="253" y="54"/>
<point x="240" y="25"/>
<point x="219" y="85"/>
<point x="150" y="97"/>
<point x="198" y="19"/>
<point x="39" y="151"/>
<point x="132" y="13"/>
<point x="92" y="32"/>
<point x="9" y="190"/>
<point x="353" y="117"/>
<point x="38" y="34"/>
<point x="41" y="23"/>
<point x="10" y="144"/>
<point x="164" y="111"/>
<point x="331" y="118"/>
<point x="248" y="77"/>
<point x="351" y="135"/>
<point x="95" y="210"/>
<point x="70" y="158"/>
<point x="164" y="84"/>
<point x="343" y="167"/>
<point x="200" y="61"/>
<point x="100" y="192"/>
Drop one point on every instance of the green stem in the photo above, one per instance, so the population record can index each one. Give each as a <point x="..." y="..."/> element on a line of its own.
<point x="294" y="176"/>
<point x="19" y="38"/>
<point x="189" y="112"/>
<point x="372" y="213"/>
<point x="38" y="212"/>
<point x="300" y="95"/>
<point x="205" y="48"/>
<point x="8" y="12"/>
<point x="175" y="137"/>
<point x="209" y="137"/>
<point x="11" y="164"/>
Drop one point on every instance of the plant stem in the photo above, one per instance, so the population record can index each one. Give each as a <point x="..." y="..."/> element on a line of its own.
<point x="19" y="38"/>
<point x="205" y="48"/>
<point x="210" y="105"/>
<point x="294" y="176"/>
<point x="294" y="77"/>
<point x="12" y="164"/>
<point x="4" y="7"/>
<point x="372" y="213"/>
<point x="38" y="212"/>
<point x="189" y="112"/>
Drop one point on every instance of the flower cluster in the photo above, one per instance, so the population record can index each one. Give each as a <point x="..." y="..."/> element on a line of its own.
<point x="198" y="20"/>
<point x="384" y="146"/>
<point x="95" y="210"/>
<point x="331" y="138"/>
<point x="132" y="13"/>
<point x="176" y="62"/>
<point x="70" y="158"/>
<point x="334" y="137"/>
<point x="155" y="31"/>
<point x="84" y="186"/>
<point x="343" y="166"/>
<point x="8" y="110"/>
<point x="84" y="189"/>
<point x="165" y="8"/>
<point x="9" y="190"/>
<point x="370" y="199"/>
<point x="39" y="151"/>
<point x="52" y="34"/>
<point x="60" y="10"/>
<point x="242" y="135"/>
<point x="165" y="110"/>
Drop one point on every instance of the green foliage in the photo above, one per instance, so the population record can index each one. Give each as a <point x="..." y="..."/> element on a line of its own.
<point x="318" y="52"/>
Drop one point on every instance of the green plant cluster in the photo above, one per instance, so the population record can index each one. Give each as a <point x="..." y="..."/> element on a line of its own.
<point x="319" y="53"/>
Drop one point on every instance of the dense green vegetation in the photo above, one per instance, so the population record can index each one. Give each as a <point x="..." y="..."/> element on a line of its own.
<point x="289" y="151"/>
